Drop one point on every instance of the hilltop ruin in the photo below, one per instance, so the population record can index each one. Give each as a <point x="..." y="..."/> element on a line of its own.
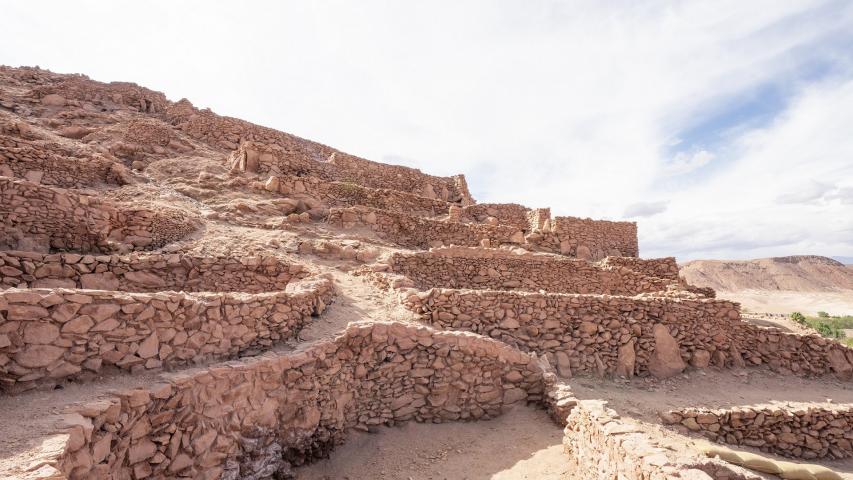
<point x="234" y="301"/>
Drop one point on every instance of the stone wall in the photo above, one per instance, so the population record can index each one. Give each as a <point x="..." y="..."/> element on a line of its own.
<point x="501" y="270"/>
<point x="653" y="267"/>
<point x="511" y="214"/>
<point x="261" y="417"/>
<point x="51" y="164"/>
<point x="586" y="238"/>
<point x="602" y="446"/>
<point x="80" y="89"/>
<point x="342" y="194"/>
<point x="794" y="431"/>
<point x="420" y="232"/>
<point x="272" y="159"/>
<point x="48" y="335"/>
<point x="146" y="272"/>
<point x="41" y="218"/>
<point x="627" y="335"/>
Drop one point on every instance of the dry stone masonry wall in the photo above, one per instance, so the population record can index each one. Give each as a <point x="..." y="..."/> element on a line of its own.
<point x="586" y="238"/>
<point x="57" y="333"/>
<point x="146" y="272"/>
<point x="477" y="268"/>
<point x="275" y="160"/>
<point x="420" y="232"/>
<point x="255" y="419"/>
<point x="795" y="431"/>
<point x="41" y="218"/>
<point x="653" y="267"/>
<point x="626" y="335"/>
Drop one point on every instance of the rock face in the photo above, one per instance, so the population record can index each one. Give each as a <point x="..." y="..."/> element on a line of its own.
<point x="666" y="359"/>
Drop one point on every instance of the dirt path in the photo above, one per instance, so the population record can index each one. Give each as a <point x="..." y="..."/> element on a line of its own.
<point x="521" y="444"/>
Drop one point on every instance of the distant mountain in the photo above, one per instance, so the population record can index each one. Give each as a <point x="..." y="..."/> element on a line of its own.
<point x="845" y="260"/>
<point x="805" y="273"/>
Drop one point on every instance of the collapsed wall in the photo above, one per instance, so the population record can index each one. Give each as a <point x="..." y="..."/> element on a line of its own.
<point x="412" y="231"/>
<point x="261" y="417"/>
<point x="40" y="218"/>
<point x="272" y="159"/>
<point x="477" y="268"/>
<point x="55" y="334"/>
<point x="148" y="272"/>
<point x="627" y="335"/>
<point x="793" y="431"/>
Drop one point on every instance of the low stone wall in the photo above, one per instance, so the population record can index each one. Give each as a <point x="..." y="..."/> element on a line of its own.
<point x="41" y="218"/>
<point x="275" y="159"/>
<point x="48" y="335"/>
<point x="80" y="89"/>
<point x="653" y="267"/>
<point x="793" y="431"/>
<point x="420" y="232"/>
<point x="586" y="238"/>
<point x="510" y="214"/>
<point x="52" y="164"/>
<point x="262" y="417"/>
<point x="602" y="446"/>
<point x="495" y="269"/>
<point x="627" y="335"/>
<point x="146" y="272"/>
<point x="342" y="194"/>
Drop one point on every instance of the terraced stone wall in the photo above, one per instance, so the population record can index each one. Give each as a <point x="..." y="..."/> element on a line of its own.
<point x="795" y="431"/>
<point x="602" y="446"/>
<point x="419" y="232"/>
<point x="511" y="214"/>
<point x="260" y="418"/>
<point x="146" y="272"/>
<point x="274" y="159"/>
<point x="609" y="334"/>
<point x="79" y="88"/>
<point x="40" y="218"/>
<point x="55" y="334"/>
<point x="52" y="164"/>
<point x="588" y="239"/>
<point x="497" y="270"/>
<point x="654" y="267"/>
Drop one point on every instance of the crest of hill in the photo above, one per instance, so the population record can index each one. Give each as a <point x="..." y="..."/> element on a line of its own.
<point x="804" y="273"/>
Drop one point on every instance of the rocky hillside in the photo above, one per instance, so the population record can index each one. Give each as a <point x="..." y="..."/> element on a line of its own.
<point x="806" y="273"/>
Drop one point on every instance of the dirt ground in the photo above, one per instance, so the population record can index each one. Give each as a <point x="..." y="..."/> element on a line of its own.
<point x="781" y="301"/>
<point x="521" y="444"/>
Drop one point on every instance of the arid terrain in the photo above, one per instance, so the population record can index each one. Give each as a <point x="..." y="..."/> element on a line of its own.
<point x="806" y="283"/>
<point x="188" y="295"/>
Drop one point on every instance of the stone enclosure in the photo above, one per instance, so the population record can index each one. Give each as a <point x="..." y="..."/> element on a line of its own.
<point x="105" y="274"/>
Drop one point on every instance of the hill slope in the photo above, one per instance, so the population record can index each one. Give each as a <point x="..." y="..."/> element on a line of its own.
<point x="805" y="273"/>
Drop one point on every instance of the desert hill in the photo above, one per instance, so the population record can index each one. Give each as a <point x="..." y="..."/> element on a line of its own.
<point x="806" y="273"/>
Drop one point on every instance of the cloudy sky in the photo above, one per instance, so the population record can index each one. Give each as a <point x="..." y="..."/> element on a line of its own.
<point x="724" y="128"/>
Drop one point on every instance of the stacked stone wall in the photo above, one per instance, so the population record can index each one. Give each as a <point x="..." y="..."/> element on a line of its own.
<point x="274" y="159"/>
<point x="796" y="431"/>
<point x="510" y="214"/>
<point x="586" y="238"/>
<point x="55" y="334"/>
<point x="653" y="267"/>
<point x="52" y="164"/>
<point x="37" y="217"/>
<point x="146" y="272"/>
<point x="342" y="194"/>
<point x="469" y="268"/>
<point x="420" y="232"/>
<point x="607" y="334"/>
<point x="79" y="88"/>
<point x="260" y="418"/>
<point x="600" y="445"/>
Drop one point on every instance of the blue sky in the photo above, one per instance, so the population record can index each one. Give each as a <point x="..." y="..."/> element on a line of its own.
<point x="723" y="128"/>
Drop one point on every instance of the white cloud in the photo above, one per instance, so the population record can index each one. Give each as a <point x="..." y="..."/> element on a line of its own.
<point x="645" y="209"/>
<point x="687" y="162"/>
<point x="572" y="105"/>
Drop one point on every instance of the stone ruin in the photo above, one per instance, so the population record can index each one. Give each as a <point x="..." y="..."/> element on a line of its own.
<point x="141" y="235"/>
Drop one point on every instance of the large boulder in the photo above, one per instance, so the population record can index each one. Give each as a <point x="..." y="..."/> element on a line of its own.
<point x="666" y="360"/>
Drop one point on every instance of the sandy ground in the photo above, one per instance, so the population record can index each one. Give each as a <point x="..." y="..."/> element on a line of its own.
<point x="780" y="301"/>
<point x="521" y="444"/>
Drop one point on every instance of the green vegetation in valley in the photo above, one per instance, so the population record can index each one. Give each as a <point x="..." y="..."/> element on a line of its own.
<point x="830" y="326"/>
